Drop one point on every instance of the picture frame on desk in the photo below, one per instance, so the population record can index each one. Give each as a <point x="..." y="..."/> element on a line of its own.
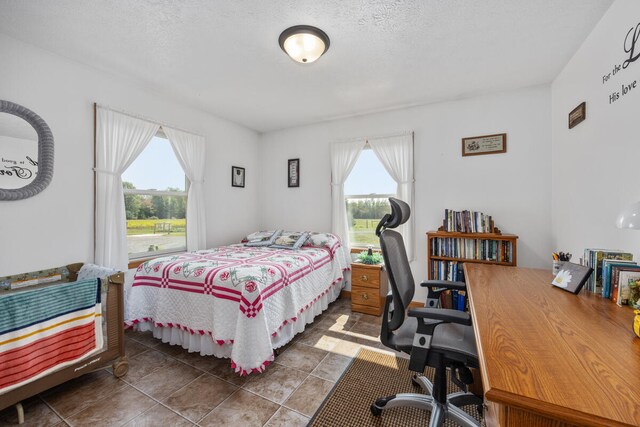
<point x="619" y="292"/>
<point x="572" y="277"/>
<point x="629" y="292"/>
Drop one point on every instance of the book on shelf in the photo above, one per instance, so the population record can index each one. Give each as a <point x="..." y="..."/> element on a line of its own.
<point x="452" y="299"/>
<point x="593" y="258"/>
<point x="447" y="270"/>
<point x="467" y="222"/>
<point x="469" y="248"/>
<point x="451" y="271"/>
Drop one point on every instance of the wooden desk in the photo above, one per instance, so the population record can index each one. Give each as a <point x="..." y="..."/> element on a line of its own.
<point x="549" y="357"/>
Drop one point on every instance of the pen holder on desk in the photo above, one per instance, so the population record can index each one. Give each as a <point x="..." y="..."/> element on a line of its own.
<point x="556" y="267"/>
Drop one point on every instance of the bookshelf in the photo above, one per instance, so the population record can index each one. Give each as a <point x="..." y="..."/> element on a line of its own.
<point x="447" y="251"/>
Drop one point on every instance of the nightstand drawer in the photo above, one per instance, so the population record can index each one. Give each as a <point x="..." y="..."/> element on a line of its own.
<point x="373" y="311"/>
<point x="365" y="296"/>
<point x="366" y="277"/>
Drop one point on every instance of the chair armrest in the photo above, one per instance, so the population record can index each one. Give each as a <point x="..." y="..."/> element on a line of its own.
<point x="446" y="284"/>
<point x="443" y="314"/>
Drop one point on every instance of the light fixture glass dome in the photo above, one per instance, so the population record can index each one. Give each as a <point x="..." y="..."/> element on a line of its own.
<point x="304" y="43"/>
<point x="629" y="217"/>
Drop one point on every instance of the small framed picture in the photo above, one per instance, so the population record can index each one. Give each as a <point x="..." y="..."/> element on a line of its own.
<point x="486" y="144"/>
<point x="237" y="176"/>
<point x="577" y="115"/>
<point x="572" y="277"/>
<point x="294" y="172"/>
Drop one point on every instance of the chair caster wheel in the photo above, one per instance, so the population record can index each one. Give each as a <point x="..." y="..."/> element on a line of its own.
<point x="375" y="410"/>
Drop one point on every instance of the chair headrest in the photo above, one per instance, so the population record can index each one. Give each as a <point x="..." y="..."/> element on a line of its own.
<point x="400" y="213"/>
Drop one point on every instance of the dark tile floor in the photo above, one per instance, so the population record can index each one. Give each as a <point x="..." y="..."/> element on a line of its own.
<point x="167" y="386"/>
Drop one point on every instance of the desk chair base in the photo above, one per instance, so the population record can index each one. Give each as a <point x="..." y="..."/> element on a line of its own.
<point x="439" y="411"/>
<point x="422" y="382"/>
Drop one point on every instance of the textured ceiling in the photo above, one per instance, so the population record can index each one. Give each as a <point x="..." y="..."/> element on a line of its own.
<point x="223" y="56"/>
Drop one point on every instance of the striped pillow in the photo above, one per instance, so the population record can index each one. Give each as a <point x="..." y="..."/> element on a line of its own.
<point x="291" y="240"/>
<point x="262" y="238"/>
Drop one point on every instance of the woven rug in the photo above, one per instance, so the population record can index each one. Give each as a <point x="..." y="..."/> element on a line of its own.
<point x="371" y="375"/>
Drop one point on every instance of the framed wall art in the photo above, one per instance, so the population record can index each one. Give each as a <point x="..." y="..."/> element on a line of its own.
<point x="294" y="173"/>
<point x="237" y="176"/>
<point x="577" y="115"/>
<point x="486" y="144"/>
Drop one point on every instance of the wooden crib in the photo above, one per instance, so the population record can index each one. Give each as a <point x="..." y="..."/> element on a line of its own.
<point x="112" y="353"/>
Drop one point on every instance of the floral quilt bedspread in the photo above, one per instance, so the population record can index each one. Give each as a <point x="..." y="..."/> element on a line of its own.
<point x="238" y="295"/>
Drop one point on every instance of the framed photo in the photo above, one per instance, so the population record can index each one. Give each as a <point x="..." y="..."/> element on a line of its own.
<point x="577" y="115"/>
<point x="294" y="173"/>
<point x="237" y="176"/>
<point x="572" y="277"/>
<point x="486" y="144"/>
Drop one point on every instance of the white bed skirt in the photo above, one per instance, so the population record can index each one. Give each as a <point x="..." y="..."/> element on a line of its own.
<point x="206" y="346"/>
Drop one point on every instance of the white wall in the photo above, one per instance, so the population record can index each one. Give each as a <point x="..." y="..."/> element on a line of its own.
<point x="595" y="165"/>
<point x="513" y="187"/>
<point x="56" y="226"/>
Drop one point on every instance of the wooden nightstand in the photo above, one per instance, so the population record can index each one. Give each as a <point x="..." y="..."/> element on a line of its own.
<point x="368" y="288"/>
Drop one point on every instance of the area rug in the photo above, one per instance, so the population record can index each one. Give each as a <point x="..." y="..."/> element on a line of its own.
<point x="373" y="374"/>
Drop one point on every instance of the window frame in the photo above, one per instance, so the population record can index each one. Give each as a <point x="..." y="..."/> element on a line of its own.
<point x="358" y="247"/>
<point x="135" y="259"/>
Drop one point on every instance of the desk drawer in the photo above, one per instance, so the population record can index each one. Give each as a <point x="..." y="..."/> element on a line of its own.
<point x="365" y="296"/>
<point x="366" y="277"/>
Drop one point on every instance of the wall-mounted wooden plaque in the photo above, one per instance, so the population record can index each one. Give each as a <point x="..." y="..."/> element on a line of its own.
<point x="486" y="144"/>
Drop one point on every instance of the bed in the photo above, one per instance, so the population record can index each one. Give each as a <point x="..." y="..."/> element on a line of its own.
<point x="236" y="301"/>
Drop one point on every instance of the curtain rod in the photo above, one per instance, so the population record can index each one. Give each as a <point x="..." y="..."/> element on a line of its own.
<point x="366" y="139"/>
<point x="147" y="119"/>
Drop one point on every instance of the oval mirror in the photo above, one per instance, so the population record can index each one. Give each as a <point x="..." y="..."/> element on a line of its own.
<point x="26" y="152"/>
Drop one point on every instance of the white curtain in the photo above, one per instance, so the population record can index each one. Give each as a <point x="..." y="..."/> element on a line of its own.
<point x="396" y="155"/>
<point x="189" y="150"/>
<point x="119" y="140"/>
<point x="343" y="158"/>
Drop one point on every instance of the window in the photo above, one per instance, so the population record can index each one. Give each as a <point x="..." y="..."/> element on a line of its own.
<point x="155" y="199"/>
<point x="367" y="190"/>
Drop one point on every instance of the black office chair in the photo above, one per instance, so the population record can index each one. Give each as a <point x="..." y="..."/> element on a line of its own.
<point x="440" y="338"/>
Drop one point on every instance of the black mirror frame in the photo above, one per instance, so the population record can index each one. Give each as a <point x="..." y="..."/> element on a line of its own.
<point x="45" y="153"/>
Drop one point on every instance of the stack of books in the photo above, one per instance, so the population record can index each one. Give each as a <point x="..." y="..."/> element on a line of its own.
<point x="615" y="275"/>
<point x="467" y="222"/>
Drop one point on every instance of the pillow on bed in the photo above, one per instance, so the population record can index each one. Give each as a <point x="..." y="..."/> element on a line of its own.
<point x="290" y="240"/>
<point x="261" y="238"/>
<point x="92" y="271"/>
<point x="322" y="240"/>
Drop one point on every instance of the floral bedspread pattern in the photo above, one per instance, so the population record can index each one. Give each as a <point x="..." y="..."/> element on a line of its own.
<point x="238" y="295"/>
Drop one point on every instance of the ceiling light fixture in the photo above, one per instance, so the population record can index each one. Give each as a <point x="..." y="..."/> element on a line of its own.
<point x="304" y="43"/>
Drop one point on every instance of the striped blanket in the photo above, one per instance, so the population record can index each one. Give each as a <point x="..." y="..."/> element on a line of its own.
<point x="45" y="329"/>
